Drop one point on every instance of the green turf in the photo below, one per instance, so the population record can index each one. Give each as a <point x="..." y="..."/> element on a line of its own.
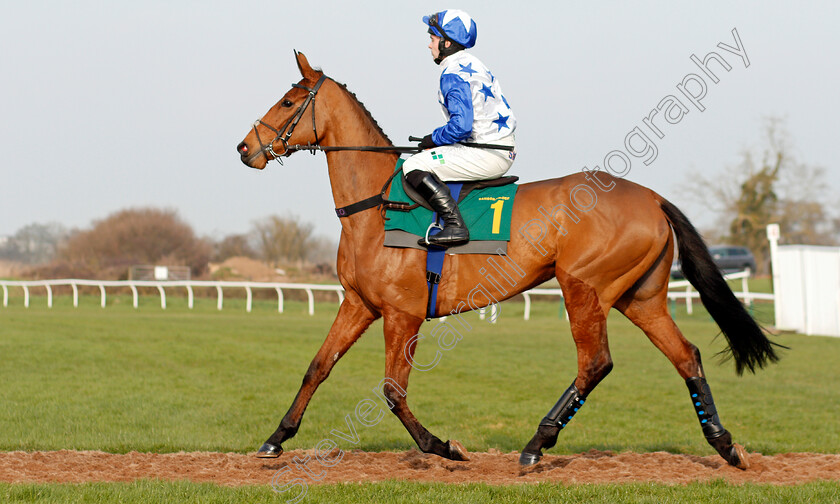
<point x="755" y="284"/>
<point x="403" y="492"/>
<point x="121" y="379"/>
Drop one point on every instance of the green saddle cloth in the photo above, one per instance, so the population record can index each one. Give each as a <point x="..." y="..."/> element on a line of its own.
<point x="486" y="211"/>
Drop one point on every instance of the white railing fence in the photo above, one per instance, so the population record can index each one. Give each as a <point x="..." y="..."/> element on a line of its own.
<point x="686" y="292"/>
<point x="689" y="294"/>
<point x="189" y="285"/>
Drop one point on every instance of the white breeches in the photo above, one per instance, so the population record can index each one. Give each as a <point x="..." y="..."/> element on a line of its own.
<point x="458" y="162"/>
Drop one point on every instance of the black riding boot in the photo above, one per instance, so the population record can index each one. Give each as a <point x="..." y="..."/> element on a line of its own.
<point x="430" y="187"/>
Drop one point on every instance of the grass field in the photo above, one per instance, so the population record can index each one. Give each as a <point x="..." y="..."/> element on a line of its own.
<point x="400" y="492"/>
<point x="119" y="379"/>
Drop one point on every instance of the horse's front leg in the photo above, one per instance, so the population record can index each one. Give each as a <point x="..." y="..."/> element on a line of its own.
<point x="400" y="328"/>
<point x="352" y="320"/>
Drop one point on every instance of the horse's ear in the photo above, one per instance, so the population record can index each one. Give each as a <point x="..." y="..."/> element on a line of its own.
<point x="305" y="70"/>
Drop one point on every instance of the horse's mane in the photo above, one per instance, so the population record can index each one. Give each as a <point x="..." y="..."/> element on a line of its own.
<point x="366" y="111"/>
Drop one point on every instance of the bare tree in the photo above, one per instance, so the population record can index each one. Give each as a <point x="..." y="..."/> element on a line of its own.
<point x="756" y="206"/>
<point x="803" y="210"/>
<point x="34" y="243"/>
<point x="283" y="238"/>
<point x="235" y="245"/>
<point x="323" y="250"/>
<point x="137" y="236"/>
<point x="767" y="186"/>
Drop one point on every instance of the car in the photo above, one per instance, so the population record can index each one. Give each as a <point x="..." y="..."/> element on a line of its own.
<point x="728" y="258"/>
<point x="732" y="258"/>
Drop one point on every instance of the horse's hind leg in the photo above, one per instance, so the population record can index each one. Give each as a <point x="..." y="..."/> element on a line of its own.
<point x="646" y="307"/>
<point x="352" y="320"/>
<point x="589" y="330"/>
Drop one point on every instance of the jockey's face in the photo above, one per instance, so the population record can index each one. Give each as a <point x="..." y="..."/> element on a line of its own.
<point x="434" y="46"/>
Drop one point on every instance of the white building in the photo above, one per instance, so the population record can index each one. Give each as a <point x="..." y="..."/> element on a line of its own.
<point x="806" y="286"/>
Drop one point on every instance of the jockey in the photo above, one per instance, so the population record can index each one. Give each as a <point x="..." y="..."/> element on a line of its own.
<point x="475" y="110"/>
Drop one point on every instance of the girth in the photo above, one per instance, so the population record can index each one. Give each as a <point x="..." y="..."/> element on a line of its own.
<point x="380" y="199"/>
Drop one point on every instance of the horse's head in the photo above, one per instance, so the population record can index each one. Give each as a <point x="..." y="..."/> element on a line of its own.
<point x="291" y="121"/>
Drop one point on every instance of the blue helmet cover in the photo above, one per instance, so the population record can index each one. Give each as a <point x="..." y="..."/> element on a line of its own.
<point x="458" y="25"/>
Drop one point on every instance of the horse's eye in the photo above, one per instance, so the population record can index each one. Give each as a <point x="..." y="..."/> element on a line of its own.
<point x="287" y="103"/>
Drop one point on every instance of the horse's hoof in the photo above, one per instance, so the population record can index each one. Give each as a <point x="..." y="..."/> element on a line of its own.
<point x="738" y="457"/>
<point x="457" y="451"/>
<point x="529" y="459"/>
<point x="268" y="450"/>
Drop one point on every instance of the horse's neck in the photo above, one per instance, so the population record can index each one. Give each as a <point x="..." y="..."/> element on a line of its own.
<point x="356" y="175"/>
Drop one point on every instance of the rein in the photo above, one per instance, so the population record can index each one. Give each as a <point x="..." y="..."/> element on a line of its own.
<point x="285" y="133"/>
<point x="363" y="148"/>
<point x="282" y="135"/>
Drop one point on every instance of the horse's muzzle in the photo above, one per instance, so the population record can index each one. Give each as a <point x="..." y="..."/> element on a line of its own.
<point x="251" y="159"/>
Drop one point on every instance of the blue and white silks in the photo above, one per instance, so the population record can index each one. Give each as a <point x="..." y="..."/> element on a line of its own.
<point x="472" y="102"/>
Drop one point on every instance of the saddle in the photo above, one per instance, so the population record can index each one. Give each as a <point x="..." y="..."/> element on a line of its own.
<point x="486" y="206"/>
<point x="467" y="188"/>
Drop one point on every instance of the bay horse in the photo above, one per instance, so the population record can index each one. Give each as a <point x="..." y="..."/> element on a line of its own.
<point x="617" y="254"/>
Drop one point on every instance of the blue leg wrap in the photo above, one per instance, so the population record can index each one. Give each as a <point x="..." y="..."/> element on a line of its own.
<point x="704" y="405"/>
<point x="562" y="412"/>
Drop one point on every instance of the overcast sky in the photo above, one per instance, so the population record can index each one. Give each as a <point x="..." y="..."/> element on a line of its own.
<point x="109" y="105"/>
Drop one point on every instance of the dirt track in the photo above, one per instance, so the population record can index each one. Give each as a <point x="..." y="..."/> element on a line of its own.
<point x="492" y="467"/>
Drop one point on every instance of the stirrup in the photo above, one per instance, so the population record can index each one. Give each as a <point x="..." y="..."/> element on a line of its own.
<point x="433" y="225"/>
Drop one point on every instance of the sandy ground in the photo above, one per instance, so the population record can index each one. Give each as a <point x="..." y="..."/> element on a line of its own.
<point x="356" y="466"/>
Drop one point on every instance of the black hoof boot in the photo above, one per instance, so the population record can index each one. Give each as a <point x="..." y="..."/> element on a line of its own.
<point x="528" y="459"/>
<point x="268" y="450"/>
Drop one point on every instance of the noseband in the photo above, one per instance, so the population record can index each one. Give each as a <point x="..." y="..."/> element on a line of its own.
<point x="285" y="133"/>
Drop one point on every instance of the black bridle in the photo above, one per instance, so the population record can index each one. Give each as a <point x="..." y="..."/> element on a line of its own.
<point x="285" y="133"/>
<point x="288" y="128"/>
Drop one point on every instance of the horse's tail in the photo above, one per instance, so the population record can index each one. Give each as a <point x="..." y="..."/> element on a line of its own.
<point x="748" y="344"/>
